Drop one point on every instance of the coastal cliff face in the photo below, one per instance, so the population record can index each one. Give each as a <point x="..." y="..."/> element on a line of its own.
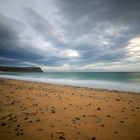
<point x="20" y="69"/>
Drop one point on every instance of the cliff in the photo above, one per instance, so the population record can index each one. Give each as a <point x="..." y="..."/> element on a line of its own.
<point x="20" y="69"/>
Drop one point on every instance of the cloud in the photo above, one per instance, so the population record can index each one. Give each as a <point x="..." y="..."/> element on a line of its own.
<point x="101" y="30"/>
<point x="43" y="26"/>
<point x="71" y="35"/>
<point x="11" y="49"/>
<point x="101" y="10"/>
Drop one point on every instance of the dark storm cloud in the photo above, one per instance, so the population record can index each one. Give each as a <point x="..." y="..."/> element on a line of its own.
<point x="85" y="16"/>
<point x="16" y="52"/>
<point x="9" y="28"/>
<point x="101" y="10"/>
<point x="10" y="46"/>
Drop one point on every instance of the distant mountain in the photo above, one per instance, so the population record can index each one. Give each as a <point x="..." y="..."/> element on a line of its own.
<point x="20" y="69"/>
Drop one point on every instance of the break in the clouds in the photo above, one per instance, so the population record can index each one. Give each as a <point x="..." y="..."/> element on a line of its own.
<point x="71" y="35"/>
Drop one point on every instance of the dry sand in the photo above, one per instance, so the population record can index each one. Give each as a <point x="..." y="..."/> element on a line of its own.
<point x="40" y="111"/>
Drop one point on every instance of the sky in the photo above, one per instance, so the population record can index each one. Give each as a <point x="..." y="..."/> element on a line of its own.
<point x="71" y="35"/>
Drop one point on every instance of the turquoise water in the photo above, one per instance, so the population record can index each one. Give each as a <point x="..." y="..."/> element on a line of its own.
<point x="124" y="81"/>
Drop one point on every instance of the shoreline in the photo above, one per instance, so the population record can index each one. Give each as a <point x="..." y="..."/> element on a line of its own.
<point x="35" y="110"/>
<point x="102" y="89"/>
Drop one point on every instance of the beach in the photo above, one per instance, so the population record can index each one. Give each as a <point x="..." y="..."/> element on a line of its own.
<point x="42" y="111"/>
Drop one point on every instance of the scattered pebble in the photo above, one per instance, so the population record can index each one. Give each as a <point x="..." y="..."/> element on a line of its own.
<point x="38" y="120"/>
<point x="93" y="138"/>
<point x="116" y="132"/>
<point x="3" y="124"/>
<point x="62" y="137"/>
<point x="98" y="108"/>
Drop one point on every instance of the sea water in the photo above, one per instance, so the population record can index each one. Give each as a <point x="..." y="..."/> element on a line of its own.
<point x="122" y="81"/>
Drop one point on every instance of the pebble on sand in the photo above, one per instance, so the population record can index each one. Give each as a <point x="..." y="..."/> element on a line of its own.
<point x="93" y="138"/>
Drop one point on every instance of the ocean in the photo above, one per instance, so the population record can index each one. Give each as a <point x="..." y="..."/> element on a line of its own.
<point x="121" y="81"/>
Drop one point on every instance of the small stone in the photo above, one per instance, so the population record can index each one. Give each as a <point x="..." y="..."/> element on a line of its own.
<point x="93" y="138"/>
<point x="61" y="137"/>
<point x="77" y="118"/>
<point x="53" y="111"/>
<point x="98" y="108"/>
<point x="3" y="124"/>
<point x="22" y="133"/>
<point x="38" y="120"/>
<point x="116" y="132"/>
<point x="108" y="116"/>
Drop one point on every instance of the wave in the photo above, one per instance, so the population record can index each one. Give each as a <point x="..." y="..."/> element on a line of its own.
<point x="111" y="85"/>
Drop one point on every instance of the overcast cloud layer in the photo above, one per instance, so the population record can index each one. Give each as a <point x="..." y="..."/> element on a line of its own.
<point x="71" y="35"/>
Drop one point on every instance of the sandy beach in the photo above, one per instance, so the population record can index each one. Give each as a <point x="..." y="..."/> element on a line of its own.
<point x="40" y="111"/>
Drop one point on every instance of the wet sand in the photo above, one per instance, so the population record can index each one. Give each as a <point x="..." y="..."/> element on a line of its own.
<point x="40" y="111"/>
